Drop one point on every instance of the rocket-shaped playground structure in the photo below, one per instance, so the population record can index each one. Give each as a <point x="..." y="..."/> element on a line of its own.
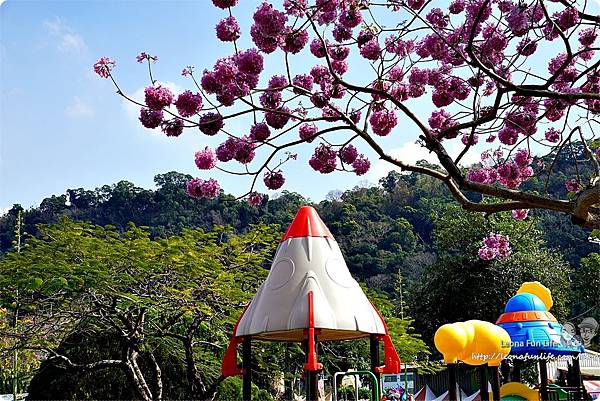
<point x="310" y="296"/>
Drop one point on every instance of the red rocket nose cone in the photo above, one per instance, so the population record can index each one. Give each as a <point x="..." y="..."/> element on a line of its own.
<point x="307" y="223"/>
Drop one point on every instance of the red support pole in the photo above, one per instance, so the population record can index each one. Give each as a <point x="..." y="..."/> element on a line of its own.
<point x="312" y="366"/>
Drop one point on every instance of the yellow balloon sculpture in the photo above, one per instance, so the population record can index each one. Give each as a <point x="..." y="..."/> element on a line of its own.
<point x="474" y="342"/>
<point x="538" y="289"/>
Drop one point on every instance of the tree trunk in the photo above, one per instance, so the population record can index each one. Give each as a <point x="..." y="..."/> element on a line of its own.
<point x="137" y="376"/>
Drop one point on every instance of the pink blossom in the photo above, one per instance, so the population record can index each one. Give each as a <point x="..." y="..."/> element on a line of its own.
<point x="227" y="150"/>
<point x="277" y="82"/>
<point x="274" y="179"/>
<point x="526" y="47"/>
<point x="188" y="103"/>
<point x="520" y="214"/>
<point x="104" y="66"/>
<point x="250" y="62"/>
<point x="158" y="97"/>
<point x="260" y="132"/>
<point x="278" y="118"/>
<point x="415" y="4"/>
<point x="296" y="8"/>
<point x="228" y="29"/>
<point x="588" y="36"/>
<point x="573" y="185"/>
<point x="495" y="246"/>
<point x="522" y="158"/>
<point x="319" y="99"/>
<point x="508" y="136"/>
<point x="306" y="131"/>
<point x="317" y="48"/>
<point x="199" y="188"/>
<point x="172" y="127"/>
<point x="350" y="18"/>
<point x="457" y="6"/>
<point x="437" y="18"/>
<point x="552" y="135"/>
<point x="340" y="67"/>
<point x="361" y="165"/>
<point x="469" y="139"/>
<point x="348" y="154"/>
<point x="145" y="56"/>
<point x="371" y="50"/>
<point x="341" y="33"/>
<point x="255" y="198"/>
<point x="244" y="150"/>
<point x="323" y="159"/>
<point x="205" y="159"/>
<point x="224" y="3"/>
<point x="151" y="118"/>
<point x="210" y="123"/>
<point x="294" y="40"/>
<point x="382" y="122"/>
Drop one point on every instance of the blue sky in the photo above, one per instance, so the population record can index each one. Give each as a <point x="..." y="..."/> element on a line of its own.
<point x="61" y="126"/>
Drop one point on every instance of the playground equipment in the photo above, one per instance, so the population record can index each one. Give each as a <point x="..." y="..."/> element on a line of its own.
<point x="309" y="296"/>
<point x="526" y="330"/>
<point x="535" y="334"/>
<point x="474" y="342"/>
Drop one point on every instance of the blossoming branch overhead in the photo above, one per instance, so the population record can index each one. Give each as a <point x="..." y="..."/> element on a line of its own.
<point x="520" y="77"/>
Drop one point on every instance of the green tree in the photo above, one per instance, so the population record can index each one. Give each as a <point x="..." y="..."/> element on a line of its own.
<point x="154" y="298"/>
<point x="461" y="286"/>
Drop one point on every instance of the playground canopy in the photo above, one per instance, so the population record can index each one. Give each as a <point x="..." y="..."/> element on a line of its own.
<point x="309" y="259"/>
<point x="425" y="394"/>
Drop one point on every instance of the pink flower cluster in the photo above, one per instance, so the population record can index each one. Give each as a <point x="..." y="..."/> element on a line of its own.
<point x="145" y="56"/>
<point x="361" y="165"/>
<point x="151" y="118"/>
<point x="495" y="246"/>
<point x="228" y="29"/>
<point x="441" y="122"/>
<point x="239" y="149"/>
<point x="520" y="214"/>
<point x="188" y="103"/>
<point x="383" y="121"/>
<point x="573" y="185"/>
<point x="210" y="123"/>
<point x="306" y="131"/>
<point x="269" y="31"/>
<point x="104" y="66"/>
<point x="233" y="77"/>
<point x="324" y="159"/>
<point x="199" y="188"/>
<point x="274" y="179"/>
<point x="157" y="97"/>
<point x="172" y="127"/>
<point x="510" y="173"/>
<point x="260" y="132"/>
<point x="205" y="159"/>
<point x="224" y="3"/>
<point x="255" y="198"/>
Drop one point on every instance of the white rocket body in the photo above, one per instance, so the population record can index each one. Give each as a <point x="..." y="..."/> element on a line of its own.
<point x="309" y="259"/>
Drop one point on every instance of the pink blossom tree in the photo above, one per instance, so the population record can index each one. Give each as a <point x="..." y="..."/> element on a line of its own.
<point x="521" y="76"/>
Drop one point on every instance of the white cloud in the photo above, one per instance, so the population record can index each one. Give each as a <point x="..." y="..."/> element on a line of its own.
<point x="67" y="41"/>
<point x="79" y="108"/>
<point x="4" y="210"/>
<point x="411" y="153"/>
